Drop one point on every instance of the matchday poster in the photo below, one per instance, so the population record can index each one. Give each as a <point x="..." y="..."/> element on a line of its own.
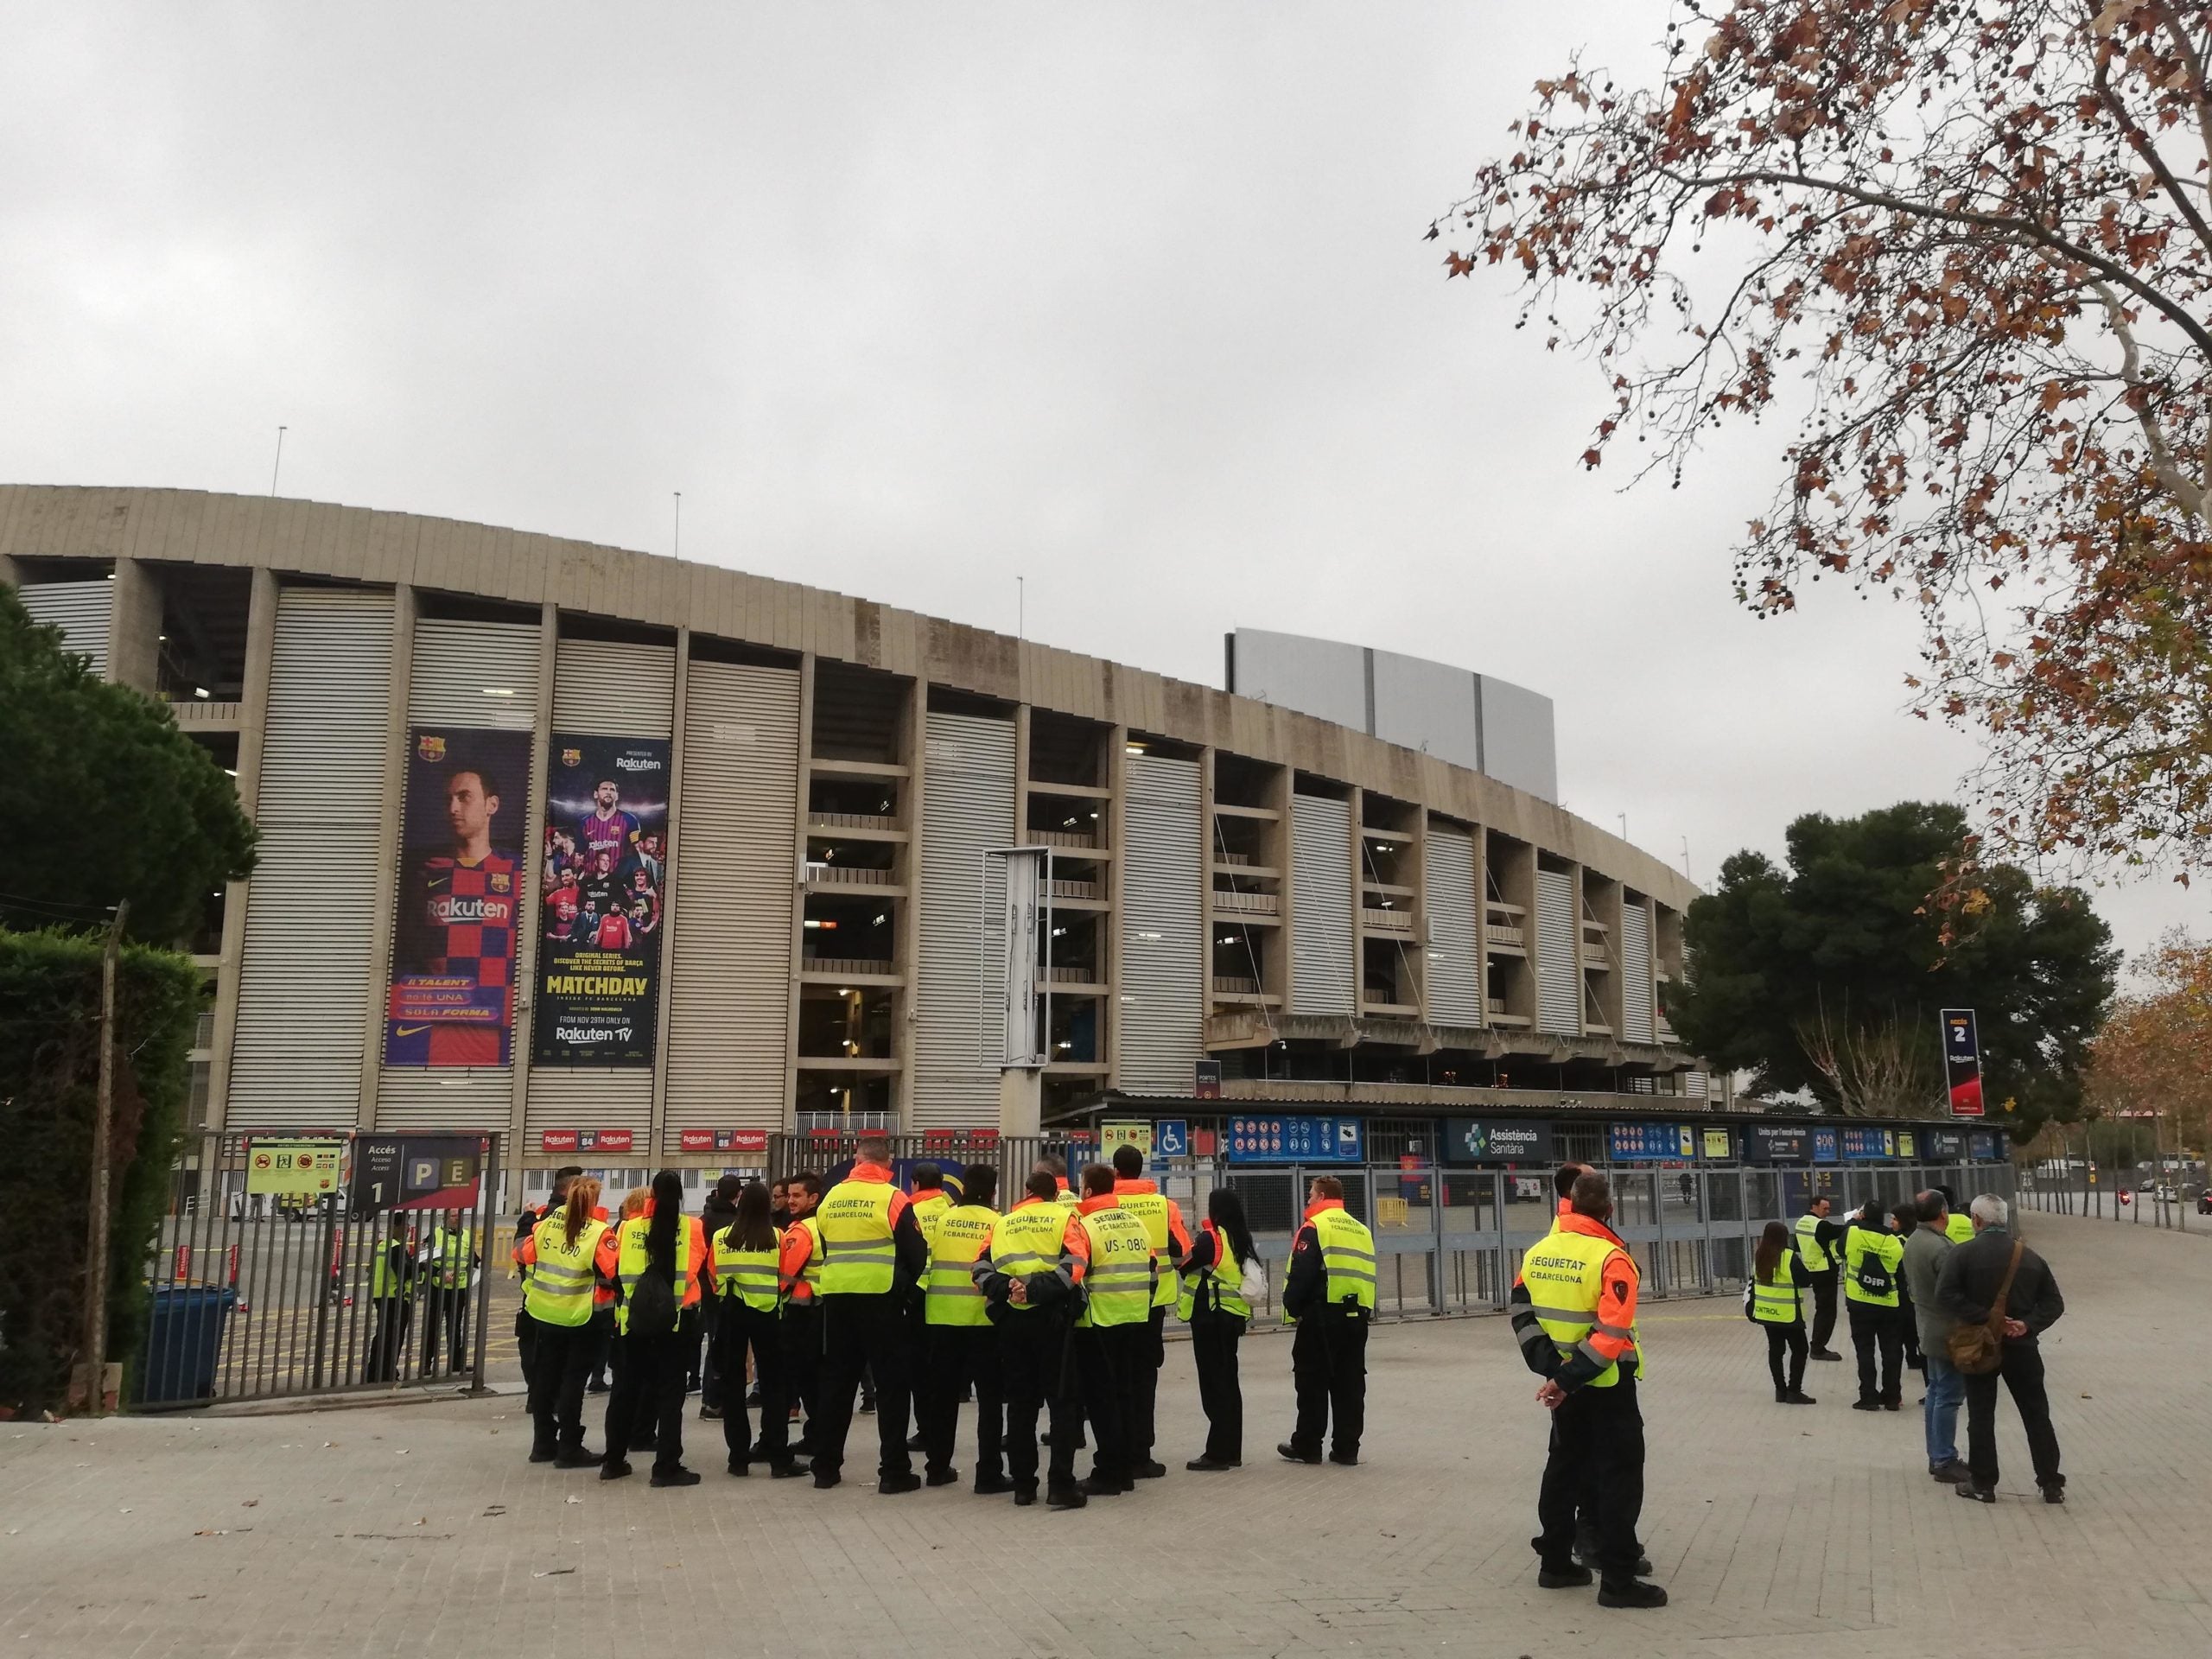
<point x="451" y="999"/>
<point x="606" y="869"/>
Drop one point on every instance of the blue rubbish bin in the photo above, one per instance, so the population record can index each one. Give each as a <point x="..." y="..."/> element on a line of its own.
<point x="184" y="1339"/>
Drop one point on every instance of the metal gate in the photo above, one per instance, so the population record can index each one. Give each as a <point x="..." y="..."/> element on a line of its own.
<point x="315" y="1262"/>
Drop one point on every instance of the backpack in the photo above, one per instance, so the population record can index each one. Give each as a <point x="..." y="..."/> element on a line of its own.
<point x="652" y="1302"/>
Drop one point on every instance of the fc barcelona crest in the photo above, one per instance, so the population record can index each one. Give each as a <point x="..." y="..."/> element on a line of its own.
<point x="572" y="757"/>
<point x="429" y="747"/>
<point x="501" y="882"/>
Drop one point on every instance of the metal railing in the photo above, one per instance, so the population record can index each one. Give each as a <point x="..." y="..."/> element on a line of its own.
<point x="2108" y="1195"/>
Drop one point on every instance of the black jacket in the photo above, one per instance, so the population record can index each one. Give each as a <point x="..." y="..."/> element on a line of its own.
<point x="1973" y="1271"/>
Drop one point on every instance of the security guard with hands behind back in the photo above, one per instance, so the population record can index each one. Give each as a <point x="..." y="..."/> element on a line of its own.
<point x="1330" y="1296"/>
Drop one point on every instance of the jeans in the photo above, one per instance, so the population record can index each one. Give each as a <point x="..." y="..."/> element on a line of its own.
<point x="1947" y="1391"/>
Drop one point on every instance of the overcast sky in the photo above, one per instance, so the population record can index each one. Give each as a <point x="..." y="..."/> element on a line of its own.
<point x="909" y="300"/>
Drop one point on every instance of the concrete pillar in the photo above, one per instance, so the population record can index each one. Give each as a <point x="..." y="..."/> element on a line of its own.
<point x="1021" y="1102"/>
<point x="904" y="866"/>
<point x="527" y="935"/>
<point x="253" y="722"/>
<point x="134" y="627"/>
<point x="659" y="1123"/>
<point x="381" y="917"/>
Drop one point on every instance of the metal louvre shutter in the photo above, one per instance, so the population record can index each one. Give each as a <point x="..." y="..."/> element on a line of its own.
<point x="1321" y="912"/>
<point x="454" y="662"/>
<point x="80" y="609"/>
<point x="1454" y="983"/>
<point x="1636" y="972"/>
<point x="304" y="990"/>
<point x="966" y="808"/>
<point x="1162" y="1013"/>
<point x="729" y="997"/>
<point x="613" y="689"/>
<point x="1559" y="970"/>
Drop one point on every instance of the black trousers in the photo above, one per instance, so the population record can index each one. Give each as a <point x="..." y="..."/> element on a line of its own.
<point x="739" y="1330"/>
<point x="1874" y="1331"/>
<point x="1328" y="1369"/>
<point x="957" y="1355"/>
<point x="1108" y="1359"/>
<point x="394" y="1317"/>
<point x="2020" y="1366"/>
<point x="602" y="1340"/>
<point x="1213" y="1350"/>
<point x="649" y="1390"/>
<point x="709" y="1367"/>
<point x="1033" y="1371"/>
<point x="525" y="1342"/>
<point x="1823" y="1284"/>
<point x="1144" y="1387"/>
<point x="1597" y="1458"/>
<point x="800" y="1331"/>
<point x="445" y="1313"/>
<point x="864" y="1333"/>
<point x="1790" y="1339"/>
<point x="561" y="1360"/>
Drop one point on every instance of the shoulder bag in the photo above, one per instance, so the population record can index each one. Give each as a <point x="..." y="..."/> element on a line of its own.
<point x="1975" y="1349"/>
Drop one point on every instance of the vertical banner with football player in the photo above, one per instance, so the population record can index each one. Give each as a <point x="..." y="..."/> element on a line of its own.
<point x="605" y="856"/>
<point x="452" y="995"/>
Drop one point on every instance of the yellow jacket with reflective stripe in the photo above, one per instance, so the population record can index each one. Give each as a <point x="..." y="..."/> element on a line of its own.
<point x="748" y="1276"/>
<point x="1776" y="1304"/>
<point x="560" y="1284"/>
<point x="959" y="1235"/>
<point x="1118" y="1281"/>
<point x="1151" y="1209"/>
<point x="1028" y="1240"/>
<point x="929" y="1207"/>
<point x="1563" y="1274"/>
<point x="1958" y="1227"/>
<point x="1809" y="1245"/>
<point x="629" y="1264"/>
<point x="854" y="1222"/>
<point x="1347" y="1258"/>
<point x="1226" y="1276"/>
<point x="1859" y="1245"/>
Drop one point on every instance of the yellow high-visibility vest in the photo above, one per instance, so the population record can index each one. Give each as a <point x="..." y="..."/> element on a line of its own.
<point x="559" y="1290"/>
<point x="853" y="1224"/>
<point x="1776" y="1304"/>
<point x="1151" y="1209"/>
<point x="1026" y="1241"/>
<point x="1119" y="1278"/>
<point x="1809" y="1245"/>
<point x="748" y="1276"/>
<point x="960" y="1234"/>
<point x="1564" y="1276"/>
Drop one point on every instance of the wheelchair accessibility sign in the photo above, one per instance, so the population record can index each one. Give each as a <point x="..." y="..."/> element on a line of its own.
<point x="1171" y="1138"/>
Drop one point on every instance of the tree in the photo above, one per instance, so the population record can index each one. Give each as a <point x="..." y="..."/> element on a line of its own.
<point x="1829" y="975"/>
<point x="2154" y="1052"/>
<point x="121" y="804"/>
<point x="1965" y="247"/>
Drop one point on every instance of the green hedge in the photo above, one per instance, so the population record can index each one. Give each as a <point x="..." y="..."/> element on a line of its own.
<point x="49" y="1073"/>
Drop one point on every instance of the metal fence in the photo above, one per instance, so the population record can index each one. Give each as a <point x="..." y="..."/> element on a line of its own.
<point x="2177" y="1203"/>
<point x="377" y="1283"/>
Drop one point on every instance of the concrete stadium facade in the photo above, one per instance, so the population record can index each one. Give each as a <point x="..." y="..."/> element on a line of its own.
<point x="1325" y="916"/>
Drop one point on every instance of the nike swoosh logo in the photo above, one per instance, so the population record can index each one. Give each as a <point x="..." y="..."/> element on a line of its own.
<point x="435" y="882"/>
<point x="408" y="1030"/>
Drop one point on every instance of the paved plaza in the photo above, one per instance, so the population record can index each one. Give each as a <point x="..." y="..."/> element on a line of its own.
<point x="420" y="1529"/>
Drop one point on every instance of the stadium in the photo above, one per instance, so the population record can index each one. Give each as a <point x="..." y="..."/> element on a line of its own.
<point x="605" y="850"/>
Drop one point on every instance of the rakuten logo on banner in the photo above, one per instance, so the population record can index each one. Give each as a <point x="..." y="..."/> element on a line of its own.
<point x="557" y="1140"/>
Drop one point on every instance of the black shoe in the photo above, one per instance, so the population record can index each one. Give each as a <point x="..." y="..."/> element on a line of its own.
<point x="1979" y="1493"/>
<point x="892" y="1485"/>
<point x="914" y="1442"/>
<point x="1892" y="1405"/>
<point x="1865" y="1405"/>
<point x="1781" y="1396"/>
<point x="752" y="1395"/>
<point x="579" y="1457"/>
<point x="1634" y="1594"/>
<point x="1147" y="1470"/>
<point x="1286" y="1449"/>
<point x="1103" y="1486"/>
<point x="1209" y="1465"/>
<point x="678" y="1475"/>
<point x="596" y="1387"/>
<point x="1569" y="1576"/>
<point x="1060" y="1498"/>
<point x="1826" y="1353"/>
<point x="1026" y="1496"/>
<point x="615" y="1469"/>
<point x="802" y="1447"/>
<point x="1586" y="1554"/>
<point x="2054" y="1494"/>
<point x="710" y="1413"/>
<point x="824" y="1480"/>
<point x="544" y="1453"/>
<point x="1798" y="1397"/>
<point x="787" y="1470"/>
<point x="867" y="1405"/>
<point x="941" y="1478"/>
<point x="1348" y="1459"/>
<point x="991" y="1485"/>
<point x="740" y="1467"/>
<point x="1953" y="1472"/>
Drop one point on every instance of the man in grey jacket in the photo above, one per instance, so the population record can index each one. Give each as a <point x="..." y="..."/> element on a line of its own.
<point x="1923" y="1266"/>
<point x="1966" y="1290"/>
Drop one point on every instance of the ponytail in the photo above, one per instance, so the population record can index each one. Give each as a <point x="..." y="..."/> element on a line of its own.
<point x="583" y="1198"/>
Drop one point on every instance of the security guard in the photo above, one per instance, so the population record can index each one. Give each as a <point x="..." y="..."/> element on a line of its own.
<point x="1116" y="1270"/>
<point x="1330" y="1296"/>
<point x="1574" y="1312"/>
<point x="1171" y="1242"/>
<point x="1872" y="1256"/>
<point x="658" y="1256"/>
<point x="1028" y="1275"/>
<point x="961" y="1348"/>
<point x="1817" y="1238"/>
<point x="1958" y="1225"/>
<point x="873" y="1257"/>
<point x="445" y="1311"/>
<point x="526" y="1332"/>
<point x="558" y="1257"/>
<point x="929" y="1199"/>
<point x="1054" y="1165"/>
<point x="393" y="1273"/>
<point x="799" y="1275"/>
<point x="748" y="1258"/>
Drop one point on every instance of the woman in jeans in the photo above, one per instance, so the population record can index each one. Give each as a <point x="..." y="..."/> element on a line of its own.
<point x="1213" y="1301"/>
<point x="1774" y="1300"/>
